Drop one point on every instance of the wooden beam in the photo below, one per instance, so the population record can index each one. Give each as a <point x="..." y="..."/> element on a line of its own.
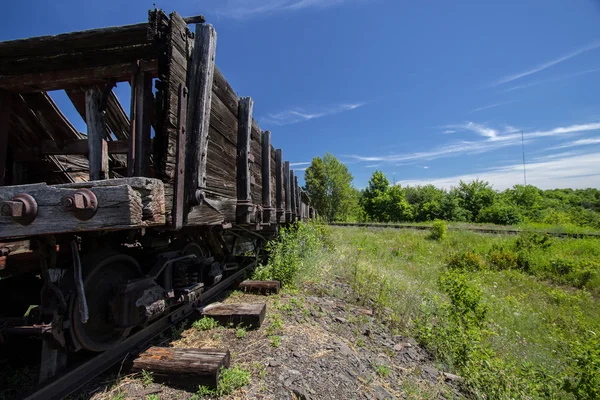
<point x="201" y="76"/>
<point x="279" y="188"/>
<point x="98" y="150"/>
<point x="138" y="159"/>
<point x="121" y="204"/>
<point x="244" y="200"/>
<point x="246" y="314"/>
<point x="70" y="147"/>
<point x="73" y="77"/>
<point x="266" y="177"/>
<point x="297" y="194"/>
<point x="288" y="189"/>
<point x="293" y="197"/>
<point x="260" y="287"/>
<point x="187" y="368"/>
<point x="5" y="113"/>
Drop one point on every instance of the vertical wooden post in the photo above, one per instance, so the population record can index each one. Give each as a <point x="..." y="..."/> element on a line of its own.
<point x="280" y="211"/>
<point x="293" y="196"/>
<point x="138" y="158"/>
<point x="266" y="177"/>
<point x="98" y="151"/>
<point x="244" y="201"/>
<point x="297" y="194"/>
<point x="5" y="111"/>
<point x="287" y="188"/>
<point x="200" y="82"/>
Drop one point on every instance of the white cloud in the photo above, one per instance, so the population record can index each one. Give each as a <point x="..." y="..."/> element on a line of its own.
<point x="492" y="106"/>
<point x="299" y="163"/>
<point x="494" y="140"/>
<point x="447" y="131"/>
<point x="296" y="115"/>
<point x="567" y="172"/>
<point x="244" y="9"/>
<point x="426" y="167"/>
<point x="580" y="142"/>
<point x="548" y="64"/>
<point x="372" y="166"/>
<point x="555" y="79"/>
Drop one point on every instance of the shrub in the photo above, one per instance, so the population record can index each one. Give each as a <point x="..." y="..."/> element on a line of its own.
<point x="465" y="261"/>
<point x="438" y="230"/>
<point x="500" y="214"/>
<point x="289" y="251"/>
<point x="501" y="258"/>
<point x="583" y="377"/>
<point x="533" y="240"/>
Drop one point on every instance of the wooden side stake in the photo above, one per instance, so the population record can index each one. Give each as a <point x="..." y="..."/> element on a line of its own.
<point x="266" y="176"/>
<point x="98" y="153"/>
<point x="279" y="185"/>
<point x="5" y="111"/>
<point x="244" y="201"/>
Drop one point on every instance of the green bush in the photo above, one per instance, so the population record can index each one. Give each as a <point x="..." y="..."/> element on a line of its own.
<point x="289" y="251"/>
<point x="533" y="240"/>
<point x="439" y="230"/>
<point x="582" y="379"/>
<point x="500" y="213"/>
<point x="465" y="261"/>
<point x="502" y="258"/>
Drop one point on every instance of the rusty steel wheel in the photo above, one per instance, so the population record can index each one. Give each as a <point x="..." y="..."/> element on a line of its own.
<point x="102" y="274"/>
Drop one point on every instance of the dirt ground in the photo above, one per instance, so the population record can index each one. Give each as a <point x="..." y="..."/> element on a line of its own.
<point x="309" y="347"/>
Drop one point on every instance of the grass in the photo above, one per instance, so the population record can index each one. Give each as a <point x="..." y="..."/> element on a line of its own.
<point x="147" y="378"/>
<point x="382" y="370"/>
<point x="240" y="332"/>
<point x="230" y="380"/>
<point x="517" y="316"/>
<point x="205" y="324"/>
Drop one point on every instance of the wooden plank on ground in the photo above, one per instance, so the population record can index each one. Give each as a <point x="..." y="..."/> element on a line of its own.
<point x="260" y="287"/>
<point x="246" y="314"/>
<point x="187" y="368"/>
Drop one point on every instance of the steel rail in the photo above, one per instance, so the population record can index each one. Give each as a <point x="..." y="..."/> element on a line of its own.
<point x="72" y="380"/>
<point x="472" y="229"/>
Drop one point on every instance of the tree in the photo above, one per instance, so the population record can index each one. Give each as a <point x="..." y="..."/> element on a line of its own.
<point x="329" y="186"/>
<point x="474" y="196"/>
<point x="375" y="200"/>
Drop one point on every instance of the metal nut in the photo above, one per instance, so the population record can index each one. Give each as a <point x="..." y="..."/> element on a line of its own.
<point x="22" y="208"/>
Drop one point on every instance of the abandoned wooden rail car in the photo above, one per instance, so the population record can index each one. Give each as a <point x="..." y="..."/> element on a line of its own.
<point x="184" y="183"/>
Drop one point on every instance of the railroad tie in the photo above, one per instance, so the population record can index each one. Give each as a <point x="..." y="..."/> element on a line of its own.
<point x="260" y="287"/>
<point x="250" y="315"/>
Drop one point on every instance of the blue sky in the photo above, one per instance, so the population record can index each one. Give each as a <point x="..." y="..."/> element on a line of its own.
<point x="426" y="91"/>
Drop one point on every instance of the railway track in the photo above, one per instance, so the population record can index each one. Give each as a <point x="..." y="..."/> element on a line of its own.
<point x="69" y="382"/>
<point x="472" y="229"/>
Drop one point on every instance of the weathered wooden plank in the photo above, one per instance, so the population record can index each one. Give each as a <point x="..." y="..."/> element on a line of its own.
<point x="5" y="114"/>
<point x="200" y="83"/>
<point x="246" y="314"/>
<point x="214" y="210"/>
<point x="260" y="287"/>
<point x="224" y="92"/>
<point x="266" y="176"/>
<point x="122" y="204"/>
<point x="98" y="152"/>
<point x="73" y="77"/>
<point x="244" y="201"/>
<point x="297" y="197"/>
<point x="77" y="146"/>
<point x="187" y="368"/>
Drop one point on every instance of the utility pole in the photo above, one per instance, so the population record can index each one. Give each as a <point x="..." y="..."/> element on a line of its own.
<point x="524" y="171"/>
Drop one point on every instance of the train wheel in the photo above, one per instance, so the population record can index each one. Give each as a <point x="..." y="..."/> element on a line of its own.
<point x="102" y="274"/>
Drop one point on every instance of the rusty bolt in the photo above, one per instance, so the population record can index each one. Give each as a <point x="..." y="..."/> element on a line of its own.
<point x="22" y="208"/>
<point x="12" y="209"/>
<point x="83" y="203"/>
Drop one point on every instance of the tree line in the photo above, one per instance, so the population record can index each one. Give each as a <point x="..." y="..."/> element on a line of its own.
<point x="329" y="185"/>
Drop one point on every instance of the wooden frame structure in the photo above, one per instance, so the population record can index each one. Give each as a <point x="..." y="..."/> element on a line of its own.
<point x="188" y="153"/>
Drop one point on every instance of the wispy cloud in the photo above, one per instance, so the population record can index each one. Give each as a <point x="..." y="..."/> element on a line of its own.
<point x="549" y="80"/>
<point x="372" y="166"/>
<point x="567" y="172"/>
<point x="548" y="64"/>
<point x="492" y="106"/>
<point x="494" y="139"/>
<point x="576" y="143"/>
<point x="244" y="9"/>
<point x="296" y="115"/>
<point x="296" y="164"/>
<point x="447" y="131"/>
